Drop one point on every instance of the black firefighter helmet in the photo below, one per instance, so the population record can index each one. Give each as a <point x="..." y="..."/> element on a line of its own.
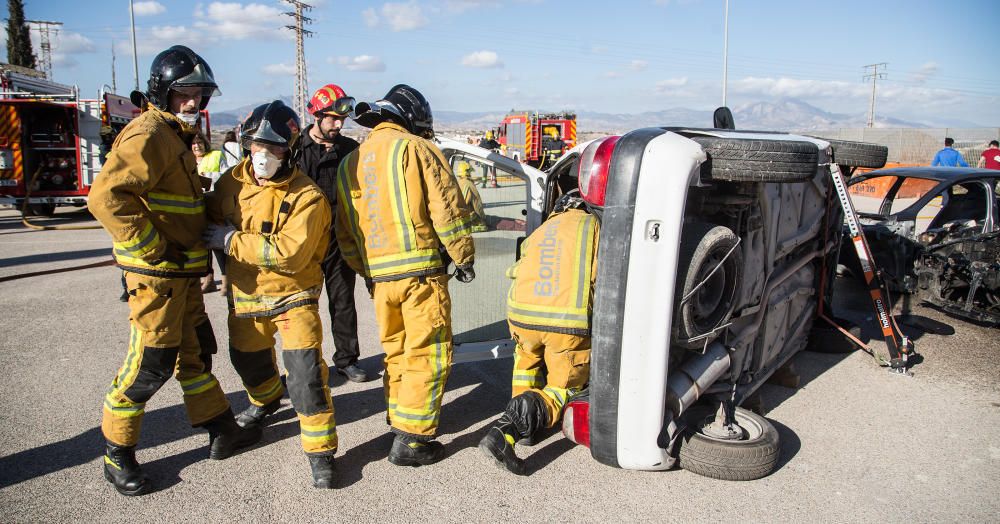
<point x="176" y="67"/>
<point x="272" y="123"/>
<point x="403" y="105"/>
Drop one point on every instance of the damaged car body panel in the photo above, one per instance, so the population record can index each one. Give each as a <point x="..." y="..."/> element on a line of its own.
<point x="934" y="232"/>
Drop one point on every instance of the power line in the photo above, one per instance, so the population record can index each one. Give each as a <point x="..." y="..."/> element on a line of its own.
<point x="44" y="29"/>
<point x="301" y="82"/>
<point x="875" y="76"/>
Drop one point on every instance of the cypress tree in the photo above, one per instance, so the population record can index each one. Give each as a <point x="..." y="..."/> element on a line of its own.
<point x="19" y="50"/>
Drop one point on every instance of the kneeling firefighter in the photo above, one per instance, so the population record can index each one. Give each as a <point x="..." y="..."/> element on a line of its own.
<point x="548" y="309"/>
<point x="399" y="216"/>
<point x="273" y="223"/>
<point x="150" y="201"/>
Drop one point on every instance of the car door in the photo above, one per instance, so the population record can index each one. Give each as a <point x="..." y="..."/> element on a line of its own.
<point x="512" y="195"/>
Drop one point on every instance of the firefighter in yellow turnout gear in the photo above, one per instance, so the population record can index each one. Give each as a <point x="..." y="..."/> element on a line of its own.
<point x="398" y="206"/>
<point x="149" y="199"/>
<point x="463" y="172"/>
<point x="275" y="234"/>
<point x="548" y="309"/>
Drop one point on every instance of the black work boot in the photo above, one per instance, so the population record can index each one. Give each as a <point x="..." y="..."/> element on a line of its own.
<point x="408" y="451"/>
<point x="225" y="436"/>
<point x="498" y="445"/>
<point x="323" y="470"/>
<point x="254" y="415"/>
<point x="121" y="469"/>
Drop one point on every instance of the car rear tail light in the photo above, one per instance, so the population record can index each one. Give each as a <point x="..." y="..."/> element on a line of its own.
<point x="594" y="165"/>
<point x="576" y="421"/>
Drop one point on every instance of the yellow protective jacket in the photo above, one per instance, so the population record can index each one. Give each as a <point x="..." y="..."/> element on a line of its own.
<point x="399" y="204"/>
<point x="282" y="233"/>
<point x="149" y="198"/>
<point x="553" y="280"/>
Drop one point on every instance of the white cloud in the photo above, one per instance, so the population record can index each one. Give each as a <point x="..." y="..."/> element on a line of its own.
<point x="459" y="6"/>
<point x="638" y="65"/>
<point x="398" y="16"/>
<point x="612" y="74"/>
<point x="482" y="59"/>
<point x="924" y="72"/>
<point x="65" y="44"/>
<point x="278" y="69"/>
<point x="796" y="88"/>
<point x="360" y="63"/>
<point x="235" y="21"/>
<point x="148" y="8"/>
<point x="670" y="84"/>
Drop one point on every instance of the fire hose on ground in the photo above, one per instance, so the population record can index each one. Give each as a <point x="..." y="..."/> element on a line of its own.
<point x="24" y="220"/>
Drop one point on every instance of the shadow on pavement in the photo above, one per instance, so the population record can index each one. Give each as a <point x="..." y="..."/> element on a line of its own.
<point x="790" y="444"/>
<point x="55" y="257"/>
<point x="63" y="216"/>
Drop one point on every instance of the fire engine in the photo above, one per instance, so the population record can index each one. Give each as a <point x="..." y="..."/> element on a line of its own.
<point x="535" y="138"/>
<point x="52" y="140"/>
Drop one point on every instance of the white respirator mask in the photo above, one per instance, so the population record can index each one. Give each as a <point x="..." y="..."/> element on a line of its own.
<point x="265" y="164"/>
<point x="190" y="119"/>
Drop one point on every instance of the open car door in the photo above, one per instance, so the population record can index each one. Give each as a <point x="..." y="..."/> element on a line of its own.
<point x="512" y="195"/>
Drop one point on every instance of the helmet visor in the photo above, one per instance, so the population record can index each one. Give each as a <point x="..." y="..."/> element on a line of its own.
<point x="199" y="77"/>
<point x="343" y="106"/>
<point x="264" y="134"/>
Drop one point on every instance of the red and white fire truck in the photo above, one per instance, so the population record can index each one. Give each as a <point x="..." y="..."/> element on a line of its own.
<point x="51" y="136"/>
<point x="537" y="139"/>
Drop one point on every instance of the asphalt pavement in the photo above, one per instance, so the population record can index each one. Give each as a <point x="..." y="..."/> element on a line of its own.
<point x="858" y="444"/>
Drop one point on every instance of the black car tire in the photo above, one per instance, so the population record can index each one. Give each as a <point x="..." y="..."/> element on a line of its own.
<point x="753" y="457"/>
<point x="41" y="210"/>
<point x="824" y="338"/>
<point x="858" y="154"/>
<point x="739" y="160"/>
<point x="703" y="246"/>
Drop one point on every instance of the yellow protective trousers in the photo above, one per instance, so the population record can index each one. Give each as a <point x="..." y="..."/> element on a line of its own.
<point x="171" y="335"/>
<point x="251" y="348"/>
<point x="414" y="319"/>
<point x="554" y="365"/>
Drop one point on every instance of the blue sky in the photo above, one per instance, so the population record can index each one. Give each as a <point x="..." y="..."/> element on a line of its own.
<point x="628" y="56"/>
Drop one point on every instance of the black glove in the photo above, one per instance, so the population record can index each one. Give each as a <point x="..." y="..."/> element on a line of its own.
<point x="465" y="274"/>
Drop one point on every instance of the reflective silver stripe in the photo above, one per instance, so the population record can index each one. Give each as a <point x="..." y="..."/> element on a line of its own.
<point x="540" y="314"/>
<point x="401" y="212"/>
<point x="176" y="203"/>
<point x="584" y="241"/>
<point x="456" y="228"/>
<point x="404" y="262"/>
<point x="411" y="416"/>
<point x="138" y="248"/>
<point x="196" y="385"/>
<point x="322" y="433"/>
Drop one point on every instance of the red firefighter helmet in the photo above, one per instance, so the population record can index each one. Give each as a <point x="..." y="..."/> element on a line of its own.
<point x="330" y="98"/>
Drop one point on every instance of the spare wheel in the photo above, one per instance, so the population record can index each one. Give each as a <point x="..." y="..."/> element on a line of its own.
<point x="757" y="160"/>
<point x="708" y="278"/>
<point x="748" y="454"/>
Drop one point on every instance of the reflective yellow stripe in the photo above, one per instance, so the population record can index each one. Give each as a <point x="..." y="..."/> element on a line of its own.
<point x="266" y="259"/>
<point x="346" y="201"/>
<point x="146" y="240"/>
<point x="127" y="374"/>
<point x="462" y="226"/>
<point x="558" y="395"/>
<point x="170" y="203"/>
<point x="319" y="433"/>
<point x="546" y="315"/>
<point x="584" y="239"/>
<point x="124" y="409"/>
<point x="398" y="196"/>
<point x="403" y="262"/>
<point x="196" y="259"/>
<point x="273" y="392"/>
<point x="199" y="384"/>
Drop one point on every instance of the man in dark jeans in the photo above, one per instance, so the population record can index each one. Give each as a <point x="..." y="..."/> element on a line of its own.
<point x="321" y="149"/>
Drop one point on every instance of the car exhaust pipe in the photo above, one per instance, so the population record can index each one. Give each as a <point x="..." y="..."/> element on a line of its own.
<point x="686" y="385"/>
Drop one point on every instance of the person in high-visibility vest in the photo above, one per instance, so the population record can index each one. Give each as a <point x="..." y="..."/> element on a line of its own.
<point x="273" y="223"/>
<point x="209" y="167"/>
<point x="548" y="309"/>
<point x="399" y="215"/>
<point x="149" y="199"/>
<point x="463" y="172"/>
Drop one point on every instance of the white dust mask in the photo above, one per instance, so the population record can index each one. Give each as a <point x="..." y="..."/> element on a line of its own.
<point x="265" y="164"/>
<point x="190" y="119"/>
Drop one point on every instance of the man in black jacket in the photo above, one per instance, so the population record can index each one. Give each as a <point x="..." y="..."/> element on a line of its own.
<point x="321" y="149"/>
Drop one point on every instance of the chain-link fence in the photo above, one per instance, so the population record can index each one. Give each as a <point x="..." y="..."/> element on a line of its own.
<point x="917" y="146"/>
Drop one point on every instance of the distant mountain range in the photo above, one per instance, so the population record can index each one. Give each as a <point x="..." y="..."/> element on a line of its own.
<point x="782" y="115"/>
